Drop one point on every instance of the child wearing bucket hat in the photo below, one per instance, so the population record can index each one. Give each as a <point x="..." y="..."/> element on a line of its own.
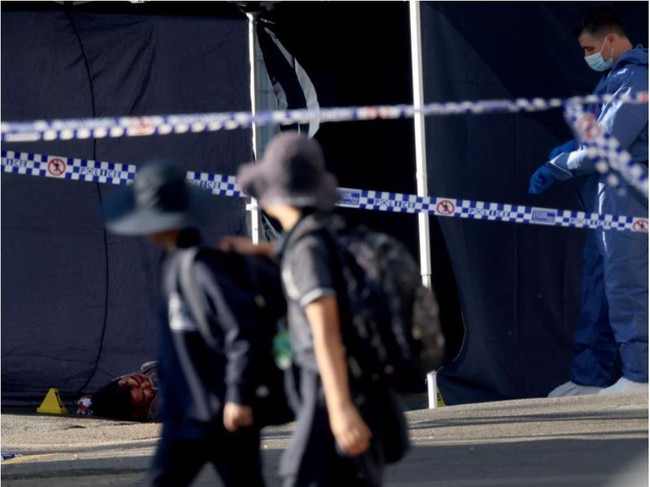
<point x="333" y="443"/>
<point x="206" y="391"/>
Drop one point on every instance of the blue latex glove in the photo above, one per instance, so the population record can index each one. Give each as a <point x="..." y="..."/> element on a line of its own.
<point x="541" y="180"/>
<point x="569" y="146"/>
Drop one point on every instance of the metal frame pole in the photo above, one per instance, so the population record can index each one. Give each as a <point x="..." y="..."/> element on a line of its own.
<point x="420" y="140"/>
<point x="421" y="165"/>
<point x="252" y="46"/>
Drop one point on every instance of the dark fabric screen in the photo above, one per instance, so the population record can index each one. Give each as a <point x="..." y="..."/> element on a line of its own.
<point x="509" y="293"/>
<point x="79" y="306"/>
<point x="518" y="284"/>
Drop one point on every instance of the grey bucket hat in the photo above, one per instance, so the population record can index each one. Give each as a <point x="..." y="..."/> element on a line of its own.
<point x="159" y="199"/>
<point x="292" y="171"/>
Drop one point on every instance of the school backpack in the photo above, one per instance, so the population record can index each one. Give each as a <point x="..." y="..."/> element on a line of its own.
<point x="258" y="277"/>
<point x="396" y="324"/>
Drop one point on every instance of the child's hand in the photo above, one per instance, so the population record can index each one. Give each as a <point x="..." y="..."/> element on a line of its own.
<point x="236" y="416"/>
<point x="350" y="431"/>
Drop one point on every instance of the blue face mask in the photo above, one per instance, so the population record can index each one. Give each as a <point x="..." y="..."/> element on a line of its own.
<point x="596" y="61"/>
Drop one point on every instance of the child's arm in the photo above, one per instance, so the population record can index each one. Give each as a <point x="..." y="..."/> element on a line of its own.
<point x="350" y="431"/>
<point x="244" y="245"/>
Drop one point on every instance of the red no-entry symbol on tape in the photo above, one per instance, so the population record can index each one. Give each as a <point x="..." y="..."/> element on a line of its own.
<point x="640" y="226"/>
<point x="56" y="167"/>
<point x="445" y="207"/>
<point x="589" y="128"/>
<point x="141" y="126"/>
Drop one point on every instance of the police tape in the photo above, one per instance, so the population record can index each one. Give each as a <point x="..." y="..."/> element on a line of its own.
<point x="85" y="128"/>
<point x="605" y="150"/>
<point x="117" y="173"/>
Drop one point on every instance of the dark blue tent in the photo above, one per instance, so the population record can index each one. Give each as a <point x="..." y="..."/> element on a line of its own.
<point x="78" y="305"/>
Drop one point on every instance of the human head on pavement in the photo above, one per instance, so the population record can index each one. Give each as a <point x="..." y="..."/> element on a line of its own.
<point x="130" y="397"/>
<point x="160" y="204"/>
<point x="291" y="178"/>
<point x="602" y="37"/>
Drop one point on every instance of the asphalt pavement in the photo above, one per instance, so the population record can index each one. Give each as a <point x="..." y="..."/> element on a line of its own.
<point x="587" y="441"/>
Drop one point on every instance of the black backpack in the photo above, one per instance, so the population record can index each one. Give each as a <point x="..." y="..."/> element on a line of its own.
<point x="260" y="278"/>
<point x="396" y="333"/>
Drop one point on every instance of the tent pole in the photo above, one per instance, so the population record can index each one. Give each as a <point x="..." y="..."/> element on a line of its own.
<point x="252" y="46"/>
<point x="420" y="140"/>
<point x="421" y="165"/>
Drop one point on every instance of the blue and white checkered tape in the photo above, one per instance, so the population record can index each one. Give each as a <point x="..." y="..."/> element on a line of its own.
<point x="102" y="172"/>
<point x="481" y="210"/>
<point x="66" y="168"/>
<point x="605" y="149"/>
<point x="120" y="174"/>
<point x="85" y="128"/>
<point x="215" y="183"/>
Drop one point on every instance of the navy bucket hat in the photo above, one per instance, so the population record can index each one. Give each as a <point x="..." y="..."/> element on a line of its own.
<point x="292" y="171"/>
<point x="159" y="199"/>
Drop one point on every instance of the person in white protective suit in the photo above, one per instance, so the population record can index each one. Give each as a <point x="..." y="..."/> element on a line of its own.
<point x="611" y="334"/>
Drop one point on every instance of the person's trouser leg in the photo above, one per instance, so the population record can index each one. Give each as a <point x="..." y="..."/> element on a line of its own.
<point x="595" y="358"/>
<point x="239" y="462"/>
<point x="176" y="462"/>
<point x="311" y="458"/>
<point x="236" y="458"/>
<point x="626" y="282"/>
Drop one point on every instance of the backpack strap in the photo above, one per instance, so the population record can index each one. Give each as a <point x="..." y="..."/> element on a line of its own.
<point x="204" y="403"/>
<point x="360" y="359"/>
<point x="193" y="294"/>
